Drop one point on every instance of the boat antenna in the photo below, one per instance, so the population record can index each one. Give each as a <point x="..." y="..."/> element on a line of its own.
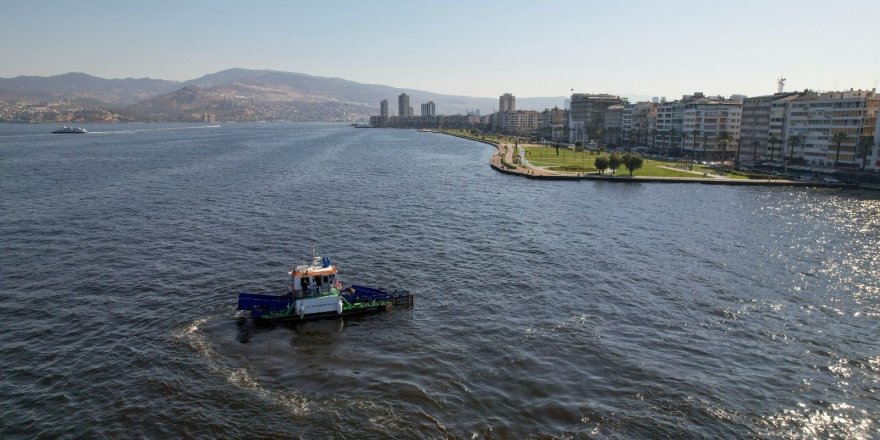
<point x="314" y="253"/>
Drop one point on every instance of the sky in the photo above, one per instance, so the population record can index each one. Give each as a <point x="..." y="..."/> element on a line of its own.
<point x="475" y="48"/>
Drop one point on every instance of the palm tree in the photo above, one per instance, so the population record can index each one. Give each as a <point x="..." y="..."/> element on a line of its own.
<point x="755" y="146"/>
<point x="723" y="139"/>
<point x="793" y="141"/>
<point x="695" y="133"/>
<point x="739" y="142"/>
<point x="865" y="146"/>
<point x="838" y="138"/>
<point x="772" y="141"/>
<point x="672" y="134"/>
<point x="705" y="141"/>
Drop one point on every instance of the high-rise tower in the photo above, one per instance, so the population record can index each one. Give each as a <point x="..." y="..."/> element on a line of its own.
<point x="403" y="105"/>
<point x="507" y="103"/>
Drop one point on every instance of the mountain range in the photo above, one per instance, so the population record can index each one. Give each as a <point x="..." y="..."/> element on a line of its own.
<point x="240" y="95"/>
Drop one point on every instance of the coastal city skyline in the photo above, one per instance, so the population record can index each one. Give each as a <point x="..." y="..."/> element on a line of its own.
<point x="644" y="49"/>
<point x="809" y="128"/>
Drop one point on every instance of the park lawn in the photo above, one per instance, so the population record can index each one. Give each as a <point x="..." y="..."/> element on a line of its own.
<point x="570" y="160"/>
<point x="566" y="160"/>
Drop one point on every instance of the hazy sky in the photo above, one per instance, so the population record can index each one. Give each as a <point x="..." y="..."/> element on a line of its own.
<point x="477" y="48"/>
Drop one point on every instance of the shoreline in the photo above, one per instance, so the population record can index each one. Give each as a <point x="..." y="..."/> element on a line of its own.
<point x="496" y="162"/>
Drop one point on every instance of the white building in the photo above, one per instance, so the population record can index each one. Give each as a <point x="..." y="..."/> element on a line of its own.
<point x="811" y="121"/>
<point x="428" y="109"/>
<point x="520" y="121"/>
<point x="641" y="122"/>
<point x="712" y="126"/>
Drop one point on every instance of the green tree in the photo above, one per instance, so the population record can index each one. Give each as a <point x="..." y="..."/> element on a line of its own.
<point x="601" y="164"/>
<point x="632" y="162"/>
<point x="695" y="133"/>
<point x="838" y="138"/>
<point x="578" y="145"/>
<point x="755" y="146"/>
<point x="614" y="162"/>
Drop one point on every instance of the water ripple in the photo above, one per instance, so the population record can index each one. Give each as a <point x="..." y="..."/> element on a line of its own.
<point x="544" y="309"/>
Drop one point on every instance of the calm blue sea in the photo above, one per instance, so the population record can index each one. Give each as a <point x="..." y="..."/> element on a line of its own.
<point x="543" y="309"/>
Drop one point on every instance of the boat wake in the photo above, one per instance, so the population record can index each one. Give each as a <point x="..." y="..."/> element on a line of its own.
<point x="193" y="337"/>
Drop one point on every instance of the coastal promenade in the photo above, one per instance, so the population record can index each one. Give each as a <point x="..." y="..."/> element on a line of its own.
<point x="504" y="161"/>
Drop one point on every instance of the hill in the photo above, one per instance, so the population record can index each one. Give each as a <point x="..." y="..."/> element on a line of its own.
<point x="369" y="94"/>
<point x="80" y="85"/>
<point x="241" y="94"/>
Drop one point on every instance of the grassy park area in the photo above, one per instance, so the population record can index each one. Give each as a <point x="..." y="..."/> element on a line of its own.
<point x="567" y="160"/>
<point x="584" y="162"/>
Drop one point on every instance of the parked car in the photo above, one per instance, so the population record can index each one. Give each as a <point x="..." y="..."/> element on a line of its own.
<point x="830" y="180"/>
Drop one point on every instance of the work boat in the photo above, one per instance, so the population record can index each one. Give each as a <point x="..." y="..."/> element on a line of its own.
<point x="314" y="291"/>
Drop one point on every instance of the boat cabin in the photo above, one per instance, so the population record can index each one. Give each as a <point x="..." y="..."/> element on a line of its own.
<point x="314" y="280"/>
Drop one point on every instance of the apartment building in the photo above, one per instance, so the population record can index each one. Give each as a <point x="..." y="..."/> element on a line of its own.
<point x="712" y="127"/>
<point x="800" y="127"/>
<point x="669" y="124"/>
<point x="553" y="123"/>
<point x="812" y="121"/>
<point x="755" y="142"/>
<point x="429" y="109"/>
<point x="519" y="121"/>
<point x="639" y="123"/>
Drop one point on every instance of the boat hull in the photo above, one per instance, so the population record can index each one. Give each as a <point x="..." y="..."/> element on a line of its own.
<point x="357" y="300"/>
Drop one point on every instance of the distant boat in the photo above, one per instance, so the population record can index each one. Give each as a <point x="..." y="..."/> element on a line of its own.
<point x="69" y="130"/>
<point x="361" y="125"/>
